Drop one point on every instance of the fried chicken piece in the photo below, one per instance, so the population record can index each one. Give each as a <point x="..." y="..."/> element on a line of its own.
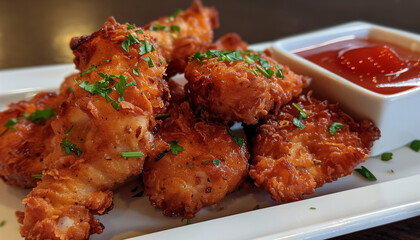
<point x="228" y="42"/>
<point x="238" y="86"/>
<point x="104" y="117"/>
<point x="208" y="165"/>
<point x="290" y="162"/>
<point x="184" y="33"/>
<point x="23" y="140"/>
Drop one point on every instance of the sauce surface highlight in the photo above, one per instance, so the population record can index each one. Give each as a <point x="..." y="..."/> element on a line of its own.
<point x="375" y="65"/>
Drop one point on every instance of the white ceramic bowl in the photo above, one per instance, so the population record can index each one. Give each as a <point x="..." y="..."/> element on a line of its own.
<point x="396" y="115"/>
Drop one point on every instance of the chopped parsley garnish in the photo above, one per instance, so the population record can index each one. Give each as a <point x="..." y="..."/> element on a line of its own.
<point x="136" y="71"/>
<point x="131" y="154"/>
<point x="312" y="208"/>
<point x="158" y="27"/>
<point x="415" y="145"/>
<point x="279" y="72"/>
<point x="297" y="121"/>
<point x="37" y="175"/>
<point x="366" y="173"/>
<point x="188" y="222"/>
<point x="386" y="156"/>
<point x="173" y="15"/>
<point x="149" y="61"/>
<point x="91" y="69"/>
<point x="175" y="27"/>
<point x="252" y="70"/>
<point x="68" y="130"/>
<point x="70" y="89"/>
<point x="122" y="85"/>
<point x="175" y="148"/>
<point x="264" y="63"/>
<point x="268" y="73"/>
<point x="162" y="116"/>
<point x="129" y="40"/>
<point x="161" y="155"/>
<point x="184" y="186"/>
<point x="229" y="56"/>
<point x="129" y="26"/>
<point x="40" y="115"/>
<point x="216" y="162"/>
<point x="174" y="35"/>
<point x="139" y="31"/>
<point x="108" y="60"/>
<point x="238" y="140"/>
<point x="205" y="163"/>
<point x="334" y="127"/>
<point x="68" y="147"/>
<point x="146" y="47"/>
<point x="249" y="60"/>
<point x="2" y="223"/>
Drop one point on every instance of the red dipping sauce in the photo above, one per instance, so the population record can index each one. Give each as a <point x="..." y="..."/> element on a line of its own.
<point x="375" y="65"/>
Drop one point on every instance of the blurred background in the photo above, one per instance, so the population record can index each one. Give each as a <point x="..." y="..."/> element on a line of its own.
<point x="38" y="32"/>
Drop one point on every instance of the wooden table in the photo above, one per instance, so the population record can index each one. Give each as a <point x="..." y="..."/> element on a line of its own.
<point x="38" y="33"/>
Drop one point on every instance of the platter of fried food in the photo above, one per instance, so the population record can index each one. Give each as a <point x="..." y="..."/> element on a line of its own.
<point x="161" y="126"/>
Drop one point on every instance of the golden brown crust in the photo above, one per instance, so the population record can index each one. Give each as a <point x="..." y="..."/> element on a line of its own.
<point x="230" y="91"/>
<point x="22" y="151"/>
<point x="184" y="183"/>
<point x="74" y="188"/>
<point x="290" y="162"/>
<point x="195" y="33"/>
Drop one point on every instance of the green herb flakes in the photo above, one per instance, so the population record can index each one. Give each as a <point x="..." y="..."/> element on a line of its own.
<point x="184" y="186"/>
<point x="188" y="222"/>
<point x="279" y="72"/>
<point x="238" y="140"/>
<point x="122" y="85"/>
<point x="216" y="162"/>
<point x="366" y="173"/>
<point x="91" y="69"/>
<point x="159" y="27"/>
<point x="334" y="127"/>
<point x="2" y="223"/>
<point x="68" y="147"/>
<point x="70" y="89"/>
<point x="129" y="26"/>
<point x="68" y="130"/>
<point x="160" y="156"/>
<point x="175" y="27"/>
<point x="37" y="175"/>
<point x="149" y="61"/>
<point x="162" y="116"/>
<point x="129" y="40"/>
<point x="173" y="15"/>
<point x="205" y="163"/>
<point x="175" y="148"/>
<point x="415" y="145"/>
<point x="386" y="156"/>
<point x="146" y="47"/>
<point x="312" y="208"/>
<point x="297" y="121"/>
<point x="40" y="115"/>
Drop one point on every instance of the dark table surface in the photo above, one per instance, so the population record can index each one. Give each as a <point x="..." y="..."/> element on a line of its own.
<point x="34" y="33"/>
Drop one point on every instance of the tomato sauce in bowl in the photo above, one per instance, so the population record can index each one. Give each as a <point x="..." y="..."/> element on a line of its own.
<point x="375" y="65"/>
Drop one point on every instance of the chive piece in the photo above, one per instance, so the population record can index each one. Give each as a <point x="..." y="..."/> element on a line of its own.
<point x="264" y="63"/>
<point x="256" y="207"/>
<point x="149" y="61"/>
<point x="129" y="40"/>
<point x="205" y="163"/>
<point x="107" y="61"/>
<point x="91" y="69"/>
<point x="415" y="145"/>
<point x="334" y="127"/>
<point x="249" y="60"/>
<point x="238" y="140"/>
<point x="184" y="186"/>
<point x="216" y="162"/>
<point x="251" y="70"/>
<point x="129" y="26"/>
<point x="2" y="223"/>
<point x="161" y="155"/>
<point x="70" y="147"/>
<point x="131" y="154"/>
<point x="301" y="112"/>
<point x="70" y="89"/>
<point x="312" y="208"/>
<point x="386" y="156"/>
<point x="175" y="148"/>
<point x="158" y="27"/>
<point x="139" y="194"/>
<point x="136" y="71"/>
<point x="10" y="124"/>
<point x="298" y="122"/>
<point x="279" y="73"/>
<point x="122" y="85"/>
<point x="39" y="175"/>
<point x="366" y="173"/>
<point x="176" y="13"/>
<point x="174" y="35"/>
<point x="162" y="116"/>
<point x="68" y="130"/>
<point x="264" y="72"/>
<point x="139" y="31"/>
<point x="175" y="27"/>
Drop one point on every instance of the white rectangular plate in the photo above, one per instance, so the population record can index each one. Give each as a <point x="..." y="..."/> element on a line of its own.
<point x="349" y="204"/>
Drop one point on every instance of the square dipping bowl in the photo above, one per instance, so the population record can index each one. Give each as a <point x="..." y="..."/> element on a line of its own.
<point x="396" y="115"/>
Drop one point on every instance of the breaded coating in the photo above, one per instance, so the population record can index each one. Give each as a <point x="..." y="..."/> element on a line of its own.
<point x="208" y="165"/>
<point x="230" y="41"/>
<point x="181" y="35"/>
<point x="107" y="115"/>
<point x="290" y="162"/>
<point x="239" y="86"/>
<point x="23" y="143"/>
